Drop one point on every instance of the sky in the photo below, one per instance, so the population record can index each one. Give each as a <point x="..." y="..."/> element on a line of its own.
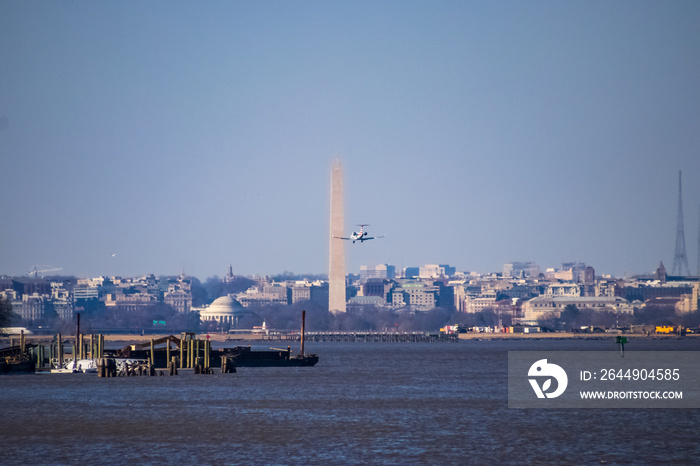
<point x="161" y="136"/>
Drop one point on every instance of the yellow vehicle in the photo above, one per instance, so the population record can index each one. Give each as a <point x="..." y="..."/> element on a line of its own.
<point x="665" y="329"/>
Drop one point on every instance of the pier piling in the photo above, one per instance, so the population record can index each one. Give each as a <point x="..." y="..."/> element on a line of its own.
<point x="59" y="350"/>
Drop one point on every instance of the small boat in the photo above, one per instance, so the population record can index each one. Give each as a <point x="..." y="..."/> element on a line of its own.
<point x="245" y="356"/>
<point x="17" y="367"/>
<point x="83" y="365"/>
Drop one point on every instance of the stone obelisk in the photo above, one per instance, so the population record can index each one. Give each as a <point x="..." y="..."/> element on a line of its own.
<point x="336" y="274"/>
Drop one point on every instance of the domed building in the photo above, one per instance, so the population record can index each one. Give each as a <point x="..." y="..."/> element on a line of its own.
<point x="224" y="310"/>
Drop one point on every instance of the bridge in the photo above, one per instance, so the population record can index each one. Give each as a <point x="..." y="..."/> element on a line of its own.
<point x="365" y="337"/>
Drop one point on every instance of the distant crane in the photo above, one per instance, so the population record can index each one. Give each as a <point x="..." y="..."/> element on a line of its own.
<point x="42" y="269"/>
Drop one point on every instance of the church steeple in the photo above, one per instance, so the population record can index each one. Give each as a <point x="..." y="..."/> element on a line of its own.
<point x="661" y="272"/>
<point x="230" y="277"/>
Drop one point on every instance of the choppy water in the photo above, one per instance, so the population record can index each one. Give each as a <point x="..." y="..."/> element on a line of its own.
<point x="362" y="404"/>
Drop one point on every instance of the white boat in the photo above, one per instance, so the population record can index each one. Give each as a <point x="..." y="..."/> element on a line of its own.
<point x="83" y="365"/>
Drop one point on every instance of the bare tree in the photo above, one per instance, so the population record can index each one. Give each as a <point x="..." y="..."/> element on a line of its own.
<point x="7" y="317"/>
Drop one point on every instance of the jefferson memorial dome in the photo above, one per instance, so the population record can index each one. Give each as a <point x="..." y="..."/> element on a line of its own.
<point x="223" y="310"/>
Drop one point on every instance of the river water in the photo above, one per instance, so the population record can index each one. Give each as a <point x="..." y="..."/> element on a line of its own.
<point x="364" y="403"/>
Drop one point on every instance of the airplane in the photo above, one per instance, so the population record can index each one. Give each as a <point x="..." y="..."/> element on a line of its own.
<point x="361" y="236"/>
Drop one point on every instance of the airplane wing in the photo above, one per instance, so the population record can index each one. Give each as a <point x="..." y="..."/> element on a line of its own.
<point x="341" y="237"/>
<point x="371" y="237"/>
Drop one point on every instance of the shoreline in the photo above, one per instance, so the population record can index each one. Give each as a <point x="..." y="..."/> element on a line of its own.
<point x="251" y="338"/>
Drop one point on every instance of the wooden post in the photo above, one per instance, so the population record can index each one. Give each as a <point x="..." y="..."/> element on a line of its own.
<point x="167" y="351"/>
<point x="78" y="339"/>
<point x="59" y="352"/>
<point x="153" y="353"/>
<point x="182" y="350"/>
<point x="203" y="344"/>
<point x="227" y="365"/>
<point x="303" y="318"/>
<point x="196" y="350"/>
<point x="21" y="341"/>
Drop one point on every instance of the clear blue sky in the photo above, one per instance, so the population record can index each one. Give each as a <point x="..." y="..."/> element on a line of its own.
<point x="144" y="137"/>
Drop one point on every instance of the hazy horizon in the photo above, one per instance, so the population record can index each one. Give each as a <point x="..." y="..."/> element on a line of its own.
<point x="154" y="137"/>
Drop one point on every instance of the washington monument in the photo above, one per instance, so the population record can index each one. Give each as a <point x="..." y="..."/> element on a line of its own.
<point x="336" y="274"/>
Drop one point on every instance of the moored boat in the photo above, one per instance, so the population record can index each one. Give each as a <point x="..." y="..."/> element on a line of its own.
<point x="245" y="356"/>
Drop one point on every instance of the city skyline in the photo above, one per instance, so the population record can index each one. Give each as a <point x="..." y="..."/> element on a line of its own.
<point x="152" y="138"/>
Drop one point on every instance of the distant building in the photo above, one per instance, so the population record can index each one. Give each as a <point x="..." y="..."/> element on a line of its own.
<point x="689" y="302"/>
<point x="179" y="300"/>
<point x="383" y="271"/>
<point x="7" y="284"/>
<point x="644" y="291"/>
<point x="85" y="292"/>
<point x="179" y="295"/>
<point x="270" y="294"/>
<point x="303" y="291"/>
<point x="378" y="288"/>
<point x="435" y="271"/>
<point x="62" y="301"/>
<point x="130" y="303"/>
<point x="477" y="303"/>
<point x="561" y="290"/>
<point x="230" y="277"/>
<point x="521" y="270"/>
<point x="537" y="308"/>
<point x="224" y="310"/>
<point x="31" y="308"/>
<point x="367" y="301"/>
<point x="576" y="272"/>
<point x="520" y="291"/>
<point x="660" y="273"/>
<point x="34" y="286"/>
<point x="421" y="296"/>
